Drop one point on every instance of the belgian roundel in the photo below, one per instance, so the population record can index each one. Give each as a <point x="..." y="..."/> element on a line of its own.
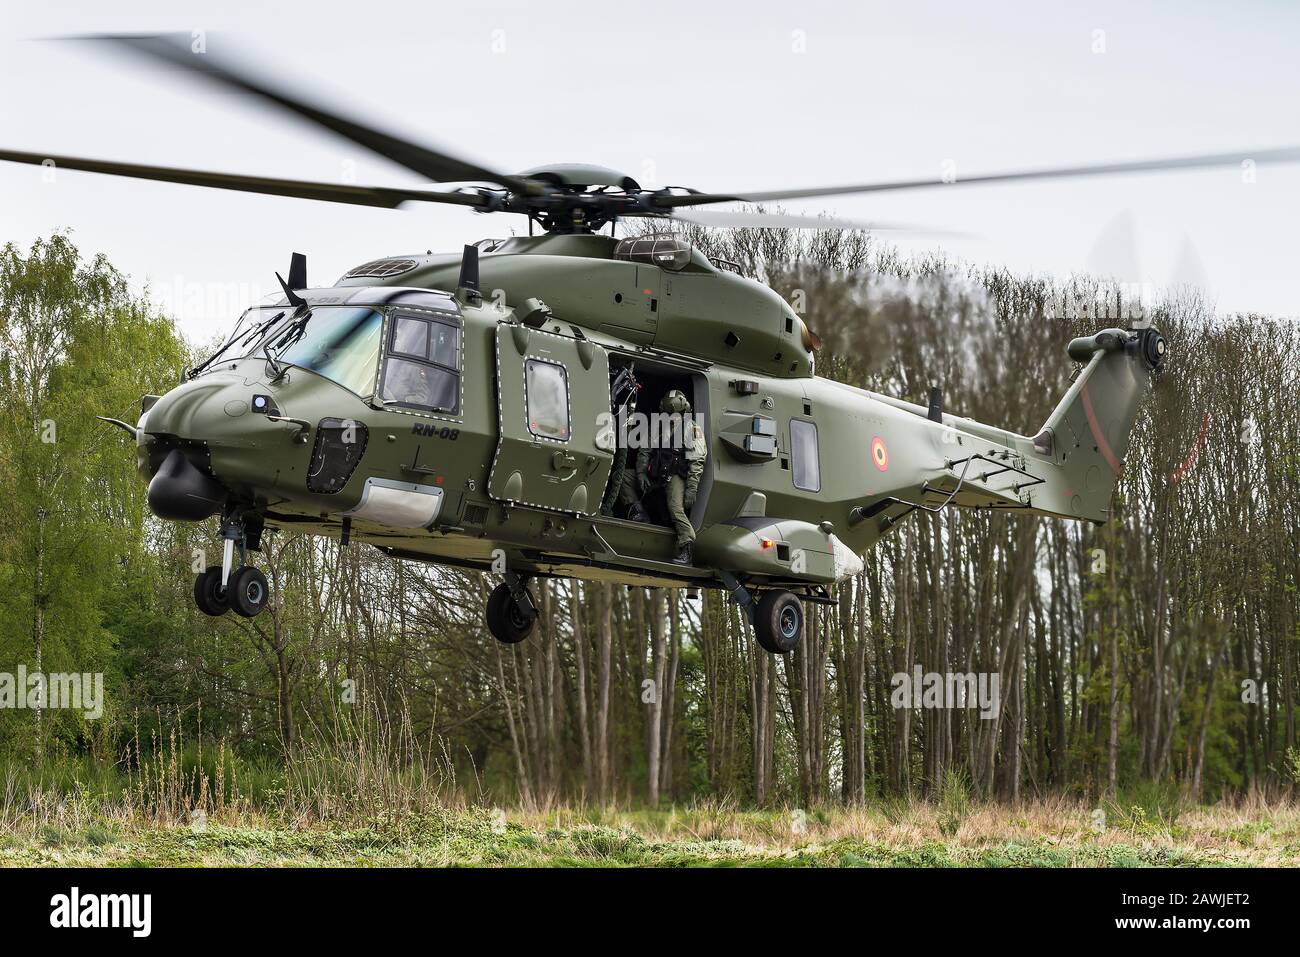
<point x="879" y="454"/>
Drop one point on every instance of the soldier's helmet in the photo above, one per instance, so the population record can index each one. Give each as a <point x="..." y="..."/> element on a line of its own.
<point x="675" y="401"/>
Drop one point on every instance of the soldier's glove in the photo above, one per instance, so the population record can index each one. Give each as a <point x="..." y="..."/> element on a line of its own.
<point x="688" y="499"/>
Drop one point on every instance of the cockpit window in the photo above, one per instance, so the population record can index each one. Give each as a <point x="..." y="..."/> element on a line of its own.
<point x="340" y="343"/>
<point x="420" y="386"/>
<point x="429" y="340"/>
<point x="444" y="344"/>
<point x="249" y="332"/>
<point x="410" y="337"/>
<point x="422" y="370"/>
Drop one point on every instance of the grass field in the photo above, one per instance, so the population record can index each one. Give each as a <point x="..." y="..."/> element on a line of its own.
<point x="1050" y="834"/>
<point x="353" y="804"/>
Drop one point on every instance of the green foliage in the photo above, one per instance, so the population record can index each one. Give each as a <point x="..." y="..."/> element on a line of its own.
<point x="1291" y="765"/>
<point x="1146" y="808"/>
<point x="954" y="801"/>
<point x="74" y="343"/>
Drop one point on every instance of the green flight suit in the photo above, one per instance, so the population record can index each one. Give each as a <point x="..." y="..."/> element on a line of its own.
<point x="680" y="493"/>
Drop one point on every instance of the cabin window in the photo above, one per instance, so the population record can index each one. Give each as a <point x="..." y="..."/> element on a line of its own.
<point x="422" y="370"/>
<point x="803" y="455"/>
<point x="546" y="385"/>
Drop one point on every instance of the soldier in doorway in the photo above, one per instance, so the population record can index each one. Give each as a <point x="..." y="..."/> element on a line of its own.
<point x="674" y="466"/>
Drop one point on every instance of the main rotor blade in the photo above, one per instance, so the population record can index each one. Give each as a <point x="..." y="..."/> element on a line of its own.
<point x="1290" y="154"/>
<point x="384" y="196"/>
<point x="724" y="219"/>
<point x="175" y="49"/>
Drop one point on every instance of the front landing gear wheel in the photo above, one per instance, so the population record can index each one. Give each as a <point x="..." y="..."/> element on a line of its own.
<point x="505" y="619"/>
<point x="209" y="596"/>
<point x="778" y="621"/>
<point x="247" y="591"/>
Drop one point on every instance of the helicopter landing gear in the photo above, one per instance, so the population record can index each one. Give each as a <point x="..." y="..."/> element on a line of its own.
<point x="777" y="616"/>
<point x="209" y="594"/>
<point x="511" y="614"/>
<point x="218" y="589"/>
<point x="778" y="621"/>
<point x="248" y="591"/>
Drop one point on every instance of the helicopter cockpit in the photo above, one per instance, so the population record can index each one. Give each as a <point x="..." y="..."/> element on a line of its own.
<point x="340" y="343"/>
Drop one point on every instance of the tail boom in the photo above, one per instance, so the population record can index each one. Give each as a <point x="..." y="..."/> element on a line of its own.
<point x="1069" y="468"/>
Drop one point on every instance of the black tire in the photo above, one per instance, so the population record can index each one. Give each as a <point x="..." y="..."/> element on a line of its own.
<point x="209" y="597"/>
<point x="507" y="623"/>
<point x="778" y="622"/>
<point x="248" y="591"/>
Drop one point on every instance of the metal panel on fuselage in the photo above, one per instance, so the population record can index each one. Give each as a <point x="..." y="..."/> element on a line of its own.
<point x="866" y="450"/>
<point x="536" y="464"/>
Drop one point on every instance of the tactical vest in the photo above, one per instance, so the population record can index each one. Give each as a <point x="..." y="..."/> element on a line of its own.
<point x="664" y="463"/>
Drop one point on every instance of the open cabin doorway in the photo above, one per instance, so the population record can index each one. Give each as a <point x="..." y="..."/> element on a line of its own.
<point x="637" y="388"/>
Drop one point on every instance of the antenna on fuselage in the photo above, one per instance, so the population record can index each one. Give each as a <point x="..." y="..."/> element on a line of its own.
<point x="298" y="271"/>
<point x="467" y="285"/>
<point x="935" y="412"/>
<point x="297" y="280"/>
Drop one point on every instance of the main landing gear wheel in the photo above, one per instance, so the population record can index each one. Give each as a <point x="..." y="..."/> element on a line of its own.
<point x="247" y="591"/>
<point x="209" y="596"/>
<point x="508" y="622"/>
<point x="778" y="621"/>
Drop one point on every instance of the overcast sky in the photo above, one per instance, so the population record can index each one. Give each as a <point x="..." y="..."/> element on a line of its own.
<point x="752" y="95"/>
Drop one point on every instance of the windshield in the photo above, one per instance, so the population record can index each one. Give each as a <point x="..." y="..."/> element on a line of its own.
<point x="249" y="332"/>
<point x="340" y="343"/>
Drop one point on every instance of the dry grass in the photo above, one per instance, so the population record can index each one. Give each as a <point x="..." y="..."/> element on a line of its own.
<point x="366" y="791"/>
<point x="365" y="766"/>
<point x="1054" y="833"/>
<point x="1248" y="833"/>
<point x="69" y="830"/>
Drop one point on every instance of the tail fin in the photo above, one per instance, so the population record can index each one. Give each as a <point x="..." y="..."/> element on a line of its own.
<point x="1087" y="435"/>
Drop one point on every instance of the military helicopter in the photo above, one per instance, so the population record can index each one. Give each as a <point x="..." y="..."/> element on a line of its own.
<point x="464" y="409"/>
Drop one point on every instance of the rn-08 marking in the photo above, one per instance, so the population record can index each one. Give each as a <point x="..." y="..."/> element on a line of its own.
<point x="421" y="428"/>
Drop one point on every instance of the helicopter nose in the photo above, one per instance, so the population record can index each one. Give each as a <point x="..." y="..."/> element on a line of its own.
<point x="193" y="442"/>
<point x="186" y="412"/>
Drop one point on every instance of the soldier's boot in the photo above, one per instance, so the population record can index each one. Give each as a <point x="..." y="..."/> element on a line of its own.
<point x="636" y="513"/>
<point x="685" y="554"/>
